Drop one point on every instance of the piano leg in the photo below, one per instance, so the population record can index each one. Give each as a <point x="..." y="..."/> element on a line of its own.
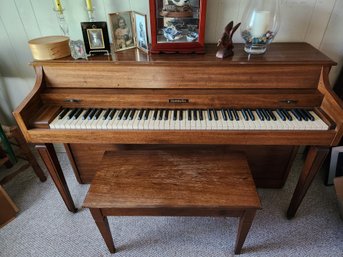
<point x="48" y="154"/>
<point x="314" y="160"/>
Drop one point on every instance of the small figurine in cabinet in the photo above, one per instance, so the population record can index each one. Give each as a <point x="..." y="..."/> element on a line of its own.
<point x="177" y="26"/>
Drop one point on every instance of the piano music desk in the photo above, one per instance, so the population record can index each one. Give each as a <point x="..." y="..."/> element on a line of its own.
<point x="173" y="183"/>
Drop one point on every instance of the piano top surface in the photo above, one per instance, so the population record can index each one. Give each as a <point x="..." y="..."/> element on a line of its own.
<point x="277" y="53"/>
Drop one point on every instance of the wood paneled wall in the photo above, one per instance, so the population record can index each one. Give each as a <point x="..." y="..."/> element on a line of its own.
<point x="314" y="21"/>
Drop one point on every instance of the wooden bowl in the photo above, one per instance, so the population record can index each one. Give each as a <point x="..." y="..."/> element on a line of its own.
<point x="49" y="48"/>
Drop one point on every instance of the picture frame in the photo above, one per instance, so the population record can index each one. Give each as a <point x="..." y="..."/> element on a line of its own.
<point x="122" y="32"/>
<point x="140" y="24"/>
<point x="129" y="30"/>
<point x="77" y="49"/>
<point x="95" y="36"/>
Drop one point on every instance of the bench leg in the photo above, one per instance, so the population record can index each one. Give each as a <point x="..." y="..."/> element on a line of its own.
<point x="245" y="222"/>
<point x="102" y="223"/>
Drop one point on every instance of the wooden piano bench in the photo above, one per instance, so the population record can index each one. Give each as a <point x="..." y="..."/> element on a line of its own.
<point x="173" y="183"/>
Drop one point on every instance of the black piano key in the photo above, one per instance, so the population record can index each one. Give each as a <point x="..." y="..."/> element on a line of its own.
<point x="146" y="114"/>
<point x="91" y="114"/>
<point x="189" y="114"/>
<point x="296" y="114"/>
<point x="229" y="114"/>
<point x="121" y="114"/>
<point x="160" y="115"/>
<point x="126" y="114"/>
<point x="155" y="115"/>
<point x="201" y="116"/>
<point x="112" y="113"/>
<point x="302" y="114"/>
<point x="260" y="114"/>
<point x="245" y="116"/>
<point x="85" y="115"/>
<point x="251" y="115"/>
<point x="309" y="115"/>
<point x="106" y="114"/>
<point x="140" y="114"/>
<point x="209" y="114"/>
<point x="195" y="114"/>
<point x="71" y="114"/>
<point x="271" y="114"/>
<point x="78" y="113"/>
<point x="97" y="114"/>
<point x="166" y="114"/>
<point x="285" y="112"/>
<point x="235" y="114"/>
<point x="266" y="114"/>
<point x="63" y="113"/>
<point x="132" y="114"/>
<point x="175" y="115"/>
<point x="281" y="115"/>
<point x="215" y="114"/>
<point x="224" y="114"/>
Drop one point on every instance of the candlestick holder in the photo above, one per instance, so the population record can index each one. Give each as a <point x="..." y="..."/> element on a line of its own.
<point x="62" y="21"/>
<point x="91" y="15"/>
<point x="260" y="23"/>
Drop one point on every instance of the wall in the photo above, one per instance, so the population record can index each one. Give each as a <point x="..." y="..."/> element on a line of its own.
<point x="315" y="21"/>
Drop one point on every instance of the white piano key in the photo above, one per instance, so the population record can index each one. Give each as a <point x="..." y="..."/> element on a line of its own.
<point x="52" y="125"/>
<point x="135" y="120"/>
<point x="220" y="120"/>
<point x="79" y="121"/>
<point x="240" y="122"/>
<point x="187" y="122"/>
<point x="60" y="123"/>
<point x="112" y="123"/>
<point x="203" y="121"/>
<point x="100" y="121"/>
<point x="167" y="122"/>
<point x="321" y="125"/>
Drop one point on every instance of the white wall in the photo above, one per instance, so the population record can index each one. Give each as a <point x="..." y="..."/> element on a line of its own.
<point x="315" y="21"/>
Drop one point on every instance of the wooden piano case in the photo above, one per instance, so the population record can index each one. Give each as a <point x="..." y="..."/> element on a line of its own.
<point x="289" y="75"/>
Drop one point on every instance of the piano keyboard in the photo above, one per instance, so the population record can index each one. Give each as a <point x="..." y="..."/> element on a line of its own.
<point x="195" y="119"/>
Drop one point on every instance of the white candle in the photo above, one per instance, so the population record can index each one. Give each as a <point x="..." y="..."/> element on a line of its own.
<point x="260" y="23"/>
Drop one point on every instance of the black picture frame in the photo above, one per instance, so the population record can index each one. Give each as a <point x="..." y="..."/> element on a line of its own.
<point x="95" y="36"/>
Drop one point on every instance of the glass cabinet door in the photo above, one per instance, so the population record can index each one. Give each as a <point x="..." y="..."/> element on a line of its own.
<point x="177" y="26"/>
<point x="177" y="21"/>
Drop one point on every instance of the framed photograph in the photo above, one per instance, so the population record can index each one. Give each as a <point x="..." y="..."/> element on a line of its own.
<point x="129" y="30"/>
<point x="140" y="22"/>
<point x="77" y="49"/>
<point x="95" y="36"/>
<point x="122" y="32"/>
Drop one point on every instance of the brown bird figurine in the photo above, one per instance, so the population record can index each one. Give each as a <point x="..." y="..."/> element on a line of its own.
<point x="225" y="42"/>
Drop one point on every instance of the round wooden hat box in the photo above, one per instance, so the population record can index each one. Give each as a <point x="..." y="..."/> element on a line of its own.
<point x="49" y="48"/>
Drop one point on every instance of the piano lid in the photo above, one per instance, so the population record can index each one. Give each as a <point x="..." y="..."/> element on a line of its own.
<point x="277" y="53"/>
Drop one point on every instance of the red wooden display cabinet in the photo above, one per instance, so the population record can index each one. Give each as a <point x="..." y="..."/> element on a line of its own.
<point x="177" y="26"/>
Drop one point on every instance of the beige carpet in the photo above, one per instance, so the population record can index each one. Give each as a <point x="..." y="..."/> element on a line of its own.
<point x="44" y="227"/>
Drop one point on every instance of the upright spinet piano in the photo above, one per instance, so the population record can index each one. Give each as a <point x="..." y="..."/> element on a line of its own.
<point x="265" y="105"/>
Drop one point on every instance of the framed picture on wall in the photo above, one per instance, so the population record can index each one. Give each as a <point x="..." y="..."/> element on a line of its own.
<point x="95" y="36"/>
<point x="129" y="30"/>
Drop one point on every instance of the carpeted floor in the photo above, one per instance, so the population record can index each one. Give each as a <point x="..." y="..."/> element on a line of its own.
<point x="44" y="227"/>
